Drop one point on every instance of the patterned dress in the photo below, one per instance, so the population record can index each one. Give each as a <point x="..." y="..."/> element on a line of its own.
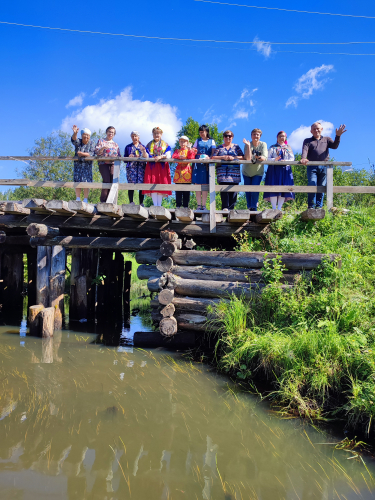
<point x="111" y="148"/>
<point x="83" y="169"/>
<point x="183" y="172"/>
<point x="279" y="175"/>
<point x="228" y="174"/>
<point x="135" y="170"/>
<point x="158" y="173"/>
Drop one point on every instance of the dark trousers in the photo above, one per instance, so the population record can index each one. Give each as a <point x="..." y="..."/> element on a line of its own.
<point x="228" y="199"/>
<point x="131" y="196"/>
<point x="316" y="176"/>
<point x="182" y="199"/>
<point x="106" y="171"/>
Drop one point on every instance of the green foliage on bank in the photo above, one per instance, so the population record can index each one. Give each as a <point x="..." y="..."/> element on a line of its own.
<point x="315" y="343"/>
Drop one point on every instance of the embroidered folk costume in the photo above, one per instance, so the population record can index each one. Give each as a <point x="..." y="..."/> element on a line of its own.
<point x="158" y="173"/>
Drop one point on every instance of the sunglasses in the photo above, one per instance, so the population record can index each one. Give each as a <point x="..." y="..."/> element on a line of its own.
<point x="227" y="135"/>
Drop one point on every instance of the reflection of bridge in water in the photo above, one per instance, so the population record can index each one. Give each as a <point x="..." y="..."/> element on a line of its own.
<point x="82" y="421"/>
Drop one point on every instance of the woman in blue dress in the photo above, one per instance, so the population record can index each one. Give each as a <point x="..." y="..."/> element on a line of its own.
<point x="135" y="170"/>
<point x="205" y="147"/>
<point x="279" y="175"/>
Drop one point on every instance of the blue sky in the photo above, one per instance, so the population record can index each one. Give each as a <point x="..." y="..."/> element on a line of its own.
<point x="133" y="83"/>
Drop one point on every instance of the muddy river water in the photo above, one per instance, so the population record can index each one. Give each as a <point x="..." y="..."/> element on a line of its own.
<point x="79" y="420"/>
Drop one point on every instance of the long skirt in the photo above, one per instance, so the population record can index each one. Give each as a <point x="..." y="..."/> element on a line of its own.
<point x="157" y="173"/>
<point x="135" y="172"/>
<point x="279" y="175"/>
<point x="200" y="173"/>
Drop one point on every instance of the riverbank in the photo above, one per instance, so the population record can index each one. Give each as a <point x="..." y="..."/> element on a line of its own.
<point x="315" y="343"/>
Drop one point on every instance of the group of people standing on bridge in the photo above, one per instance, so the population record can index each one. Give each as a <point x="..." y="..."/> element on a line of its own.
<point x="315" y="148"/>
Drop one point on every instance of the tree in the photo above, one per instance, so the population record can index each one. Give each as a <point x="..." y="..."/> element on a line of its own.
<point x="191" y="130"/>
<point x="56" y="144"/>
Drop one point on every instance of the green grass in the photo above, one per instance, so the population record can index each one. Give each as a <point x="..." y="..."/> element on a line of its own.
<point x="315" y="344"/>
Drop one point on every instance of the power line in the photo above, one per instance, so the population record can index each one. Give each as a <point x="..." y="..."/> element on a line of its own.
<point x="285" y="10"/>
<point x="255" y="42"/>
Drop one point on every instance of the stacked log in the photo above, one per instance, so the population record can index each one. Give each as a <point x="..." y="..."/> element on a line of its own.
<point x="189" y="281"/>
<point x="166" y="283"/>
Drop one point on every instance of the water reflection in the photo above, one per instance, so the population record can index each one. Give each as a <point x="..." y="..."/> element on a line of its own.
<point x="79" y="420"/>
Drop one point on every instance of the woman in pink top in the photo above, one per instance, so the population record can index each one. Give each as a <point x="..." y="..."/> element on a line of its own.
<point x="110" y="149"/>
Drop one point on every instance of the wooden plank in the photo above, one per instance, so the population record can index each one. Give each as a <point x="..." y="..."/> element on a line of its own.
<point x="329" y="188"/>
<point x="150" y="227"/>
<point x="313" y="214"/>
<point x="36" y="205"/>
<point x="15" y="208"/>
<point x="268" y="216"/>
<point x="212" y="198"/>
<point x="81" y="207"/>
<point x="240" y="216"/>
<point x="104" y="242"/>
<point x="135" y="211"/>
<point x="160" y="213"/>
<point x="60" y="206"/>
<point x="172" y="160"/>
<point x="184" y="214"/>
<point x="110" y="209"/>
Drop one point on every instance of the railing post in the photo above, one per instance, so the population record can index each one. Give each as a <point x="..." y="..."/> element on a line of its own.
<point x="329" y="188"/>
<point x="212" y="198"/>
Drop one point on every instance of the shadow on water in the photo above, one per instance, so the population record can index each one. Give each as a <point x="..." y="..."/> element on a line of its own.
<point x="83" y="415"/>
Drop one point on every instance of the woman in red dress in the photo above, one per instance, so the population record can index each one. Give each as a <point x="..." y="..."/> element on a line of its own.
<point x="158" y="172"/>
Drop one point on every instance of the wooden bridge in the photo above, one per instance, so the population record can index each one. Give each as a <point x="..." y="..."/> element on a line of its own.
<point x="185" y="279"/>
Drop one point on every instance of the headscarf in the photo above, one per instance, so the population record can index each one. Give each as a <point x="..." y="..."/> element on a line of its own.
<point x="282" y="132"/>
<point x="85" y="131"/>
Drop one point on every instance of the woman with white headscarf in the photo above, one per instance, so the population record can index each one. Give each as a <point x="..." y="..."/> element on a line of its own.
<point x="135" y="170"/>
<point x="82" y="169"/>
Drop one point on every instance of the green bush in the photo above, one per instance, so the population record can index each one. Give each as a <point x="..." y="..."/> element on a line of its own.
<point x="314" y="343"/>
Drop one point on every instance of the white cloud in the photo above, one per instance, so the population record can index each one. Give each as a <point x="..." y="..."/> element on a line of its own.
<point x="127" y="114"/>
<point x="262" y="47"/>
<point x="301" y="133"/>
<point x="76" y="101"/>
<point x="95" y="92"/>
<point x="309" y="82"/>
<point x="241" y="114"/>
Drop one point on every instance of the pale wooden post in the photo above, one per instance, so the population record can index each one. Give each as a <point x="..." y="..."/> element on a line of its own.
<point x="329" y="188"/>
<point x="113" y="193"/>
<point x="212" y="198"/>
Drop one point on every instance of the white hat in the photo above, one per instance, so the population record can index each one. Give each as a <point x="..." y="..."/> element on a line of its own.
<point x="85" y="131"/>
<point x="184" y="138"/>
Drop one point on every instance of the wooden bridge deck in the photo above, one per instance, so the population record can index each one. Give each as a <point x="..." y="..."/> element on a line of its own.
<point x="79" y="218"/>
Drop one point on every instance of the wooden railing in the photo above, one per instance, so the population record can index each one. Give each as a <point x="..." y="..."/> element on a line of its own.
<point x="212" y="188"/>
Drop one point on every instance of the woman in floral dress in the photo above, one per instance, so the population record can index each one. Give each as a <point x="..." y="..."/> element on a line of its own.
<point x="158" y="172"/>
<point x="108" y="148"/>
<point x="135" y="170"/>
<point x="82" y="169"/>
<point x="183" y="172"/>
<point x="279" y="175"/>
<point x="228" y="173"/>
